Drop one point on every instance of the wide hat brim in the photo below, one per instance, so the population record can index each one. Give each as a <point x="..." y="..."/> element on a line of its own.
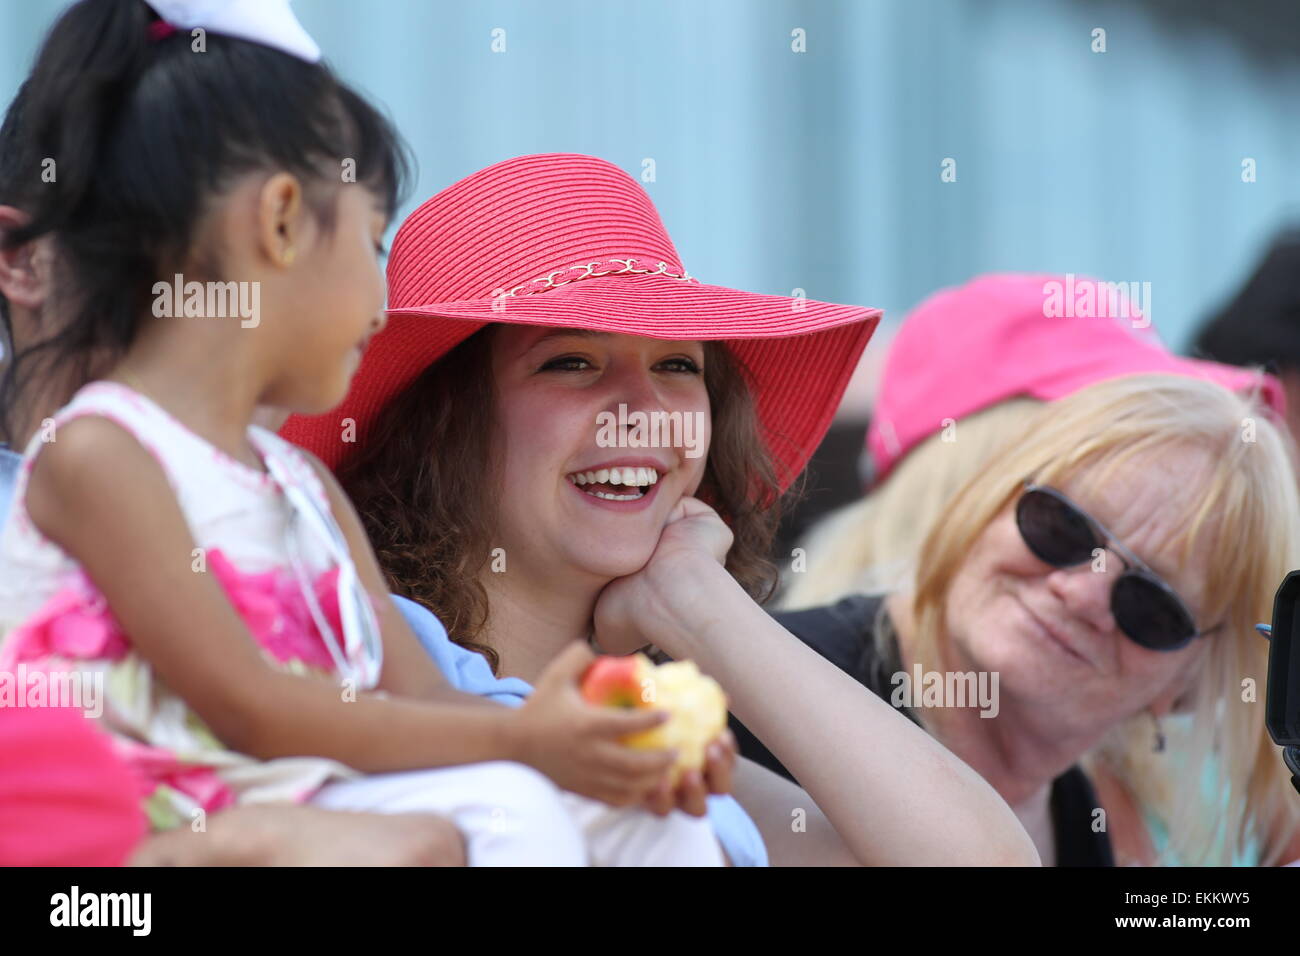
<point x="798" y="353"/>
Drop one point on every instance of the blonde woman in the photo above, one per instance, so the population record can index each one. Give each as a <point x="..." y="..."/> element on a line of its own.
<point x="966" y="372"/>
<point x="1108" y="566"/>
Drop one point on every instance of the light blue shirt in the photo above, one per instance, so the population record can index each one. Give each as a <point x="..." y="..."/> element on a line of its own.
<point x="470" y="672"/>
<point x="9" y="463"/>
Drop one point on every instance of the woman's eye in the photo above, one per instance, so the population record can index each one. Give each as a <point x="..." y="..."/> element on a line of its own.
<point x="681" y="365"/>
<point x="567" y="363"/>
<point x="381" y="249"/>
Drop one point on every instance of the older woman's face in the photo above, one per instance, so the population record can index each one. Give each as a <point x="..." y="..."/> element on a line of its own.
<point x="1049" y="632"/>
<point x="563" y="445"/>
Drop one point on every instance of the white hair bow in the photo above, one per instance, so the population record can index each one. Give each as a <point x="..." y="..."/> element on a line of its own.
<point x="268" y="22"/>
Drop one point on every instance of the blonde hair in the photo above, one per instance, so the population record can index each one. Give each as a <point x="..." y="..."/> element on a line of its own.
<point x="1248" y="512"/>
<point x="870" y="545"/>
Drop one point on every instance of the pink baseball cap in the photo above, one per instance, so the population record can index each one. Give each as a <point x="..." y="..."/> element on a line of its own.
<point x="1007" y="335"/>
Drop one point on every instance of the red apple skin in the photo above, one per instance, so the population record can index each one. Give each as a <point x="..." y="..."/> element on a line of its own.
<point x="613" y="682"/>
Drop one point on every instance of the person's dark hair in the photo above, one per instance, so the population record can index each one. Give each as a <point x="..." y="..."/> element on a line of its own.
<point x="143" y="135"/>
<point x="1261" y="325"/>
<point x="10" y="195"/>
<point x="423" y="484"/>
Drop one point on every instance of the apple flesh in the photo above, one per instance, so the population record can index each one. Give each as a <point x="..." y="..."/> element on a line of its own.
<point x="696" y="705"/>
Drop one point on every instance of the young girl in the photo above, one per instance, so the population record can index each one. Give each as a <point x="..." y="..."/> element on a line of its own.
<point x="221" y="210"/>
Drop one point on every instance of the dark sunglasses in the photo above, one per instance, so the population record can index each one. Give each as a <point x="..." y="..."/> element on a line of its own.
<point x="1063" y="535"/>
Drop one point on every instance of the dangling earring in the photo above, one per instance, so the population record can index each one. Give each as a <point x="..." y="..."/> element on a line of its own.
<point x="1160" y="736"/>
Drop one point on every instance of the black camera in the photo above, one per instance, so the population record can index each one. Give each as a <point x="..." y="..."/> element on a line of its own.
<point x="1282" y="698"/>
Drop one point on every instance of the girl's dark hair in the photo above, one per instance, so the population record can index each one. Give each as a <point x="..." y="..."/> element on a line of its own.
<point x="143" y="135"/>
<point x="423" y="484"/>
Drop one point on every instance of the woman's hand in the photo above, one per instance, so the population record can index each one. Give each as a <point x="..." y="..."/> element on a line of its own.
<point x="693" y="537"/>
<point x="694" y="787"/>
<point x="692" y="527"/>
<point x="307" y="836"/>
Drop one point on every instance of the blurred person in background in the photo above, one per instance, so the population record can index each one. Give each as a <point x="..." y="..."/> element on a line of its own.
<point x="1260" y="326"/>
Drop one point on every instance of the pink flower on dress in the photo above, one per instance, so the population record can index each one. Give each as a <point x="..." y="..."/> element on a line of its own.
<point x="75" y="623"/>
<point x="158" y="767"/>
<point x="275" y="611"/>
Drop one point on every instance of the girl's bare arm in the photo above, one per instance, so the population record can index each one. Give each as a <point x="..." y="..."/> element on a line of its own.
<point x="105" y="501"/>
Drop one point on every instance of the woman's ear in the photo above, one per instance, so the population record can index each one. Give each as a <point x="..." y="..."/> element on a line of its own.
<point x="281" y="224"/>
<point x="24" y="270"/>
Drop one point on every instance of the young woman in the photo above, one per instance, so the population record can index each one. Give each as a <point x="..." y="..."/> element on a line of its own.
<point x="500" y="447"/>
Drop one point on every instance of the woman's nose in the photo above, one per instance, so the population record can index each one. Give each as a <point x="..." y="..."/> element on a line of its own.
<point x="1085" y="590"/>
<point x="635" y="388"/>
<point x="378" y="321"/>
<point x="633" y="399"/>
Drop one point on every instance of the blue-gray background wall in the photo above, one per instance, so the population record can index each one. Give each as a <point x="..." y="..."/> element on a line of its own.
<point x="821" y="170"/>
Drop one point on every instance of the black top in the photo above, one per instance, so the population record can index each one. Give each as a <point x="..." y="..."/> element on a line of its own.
<point x="844" y="634"/>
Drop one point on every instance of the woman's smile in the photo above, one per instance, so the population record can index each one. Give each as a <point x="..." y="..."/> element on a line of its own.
<point x="1049" y="631"/>
<point x="627" y="484"/>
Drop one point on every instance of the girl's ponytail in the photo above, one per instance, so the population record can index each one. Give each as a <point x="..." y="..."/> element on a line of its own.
<point x="91" y="59"/>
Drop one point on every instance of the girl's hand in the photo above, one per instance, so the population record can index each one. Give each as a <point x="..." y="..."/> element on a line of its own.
<point x="577" y="745"/>
<point x="693" y="537"/>
<point x="689" y="797"/>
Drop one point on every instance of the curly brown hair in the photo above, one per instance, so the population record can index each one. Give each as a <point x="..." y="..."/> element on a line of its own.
<point x="418" y="485"/>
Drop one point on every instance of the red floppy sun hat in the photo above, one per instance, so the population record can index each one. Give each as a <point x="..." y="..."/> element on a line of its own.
<point x="572" y="241"/>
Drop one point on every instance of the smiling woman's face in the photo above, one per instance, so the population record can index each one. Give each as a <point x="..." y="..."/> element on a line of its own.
<point x="559" y="509"/>
<point x="1049" y="632"/>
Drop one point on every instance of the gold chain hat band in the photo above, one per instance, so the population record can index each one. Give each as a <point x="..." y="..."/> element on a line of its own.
<point x="593" y="270"/>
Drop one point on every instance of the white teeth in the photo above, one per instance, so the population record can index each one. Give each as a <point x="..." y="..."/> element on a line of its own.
<point x="616" y="476"/>
<point x="609" y="497"/>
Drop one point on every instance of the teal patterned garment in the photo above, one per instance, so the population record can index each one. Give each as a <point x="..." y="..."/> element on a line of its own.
<point x="1215" y="792"/>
